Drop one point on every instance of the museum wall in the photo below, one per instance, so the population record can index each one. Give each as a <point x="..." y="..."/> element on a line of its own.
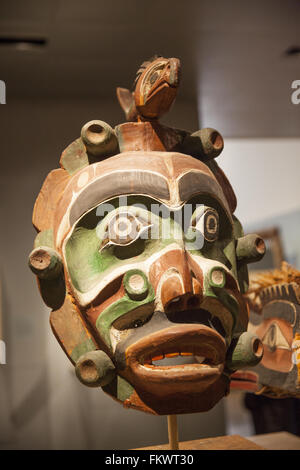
<point x="255" y="167"/>
<point x="42" y="404"/>
<point x="264" y="173"/>
<point x="266" y="182"/>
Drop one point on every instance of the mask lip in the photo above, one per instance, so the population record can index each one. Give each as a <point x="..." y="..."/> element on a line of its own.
<point x="198" y="339"/>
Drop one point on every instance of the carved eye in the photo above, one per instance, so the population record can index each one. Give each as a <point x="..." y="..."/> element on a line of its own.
<point x="123" y="229"/>
<point x="274" y="338"/>
<point x="153" y="78"/>
<point x="207" y="222"/>
<point x="155" y="73"/>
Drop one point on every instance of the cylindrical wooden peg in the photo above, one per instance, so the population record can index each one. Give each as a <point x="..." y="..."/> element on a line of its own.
<point x="173" y="432"/>
<point x="99" y="138"/>
<point x="45" y="262"/>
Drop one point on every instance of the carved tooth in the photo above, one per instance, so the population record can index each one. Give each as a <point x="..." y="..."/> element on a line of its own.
<point x="158" y="358"/>
<point x="172" y="354"/>
<point x="200" y="359"/>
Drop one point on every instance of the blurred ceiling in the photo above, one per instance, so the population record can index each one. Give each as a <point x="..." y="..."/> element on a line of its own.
<point x="232" y="52"/>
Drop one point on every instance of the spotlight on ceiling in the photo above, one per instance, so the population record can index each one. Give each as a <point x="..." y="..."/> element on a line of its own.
<point x="23" y="43"/>
<point x="292" y="51"/>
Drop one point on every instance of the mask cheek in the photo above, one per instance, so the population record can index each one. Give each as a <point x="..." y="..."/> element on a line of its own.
<point x="279" y="360"/>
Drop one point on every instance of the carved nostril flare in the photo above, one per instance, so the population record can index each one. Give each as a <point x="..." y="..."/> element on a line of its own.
<point x="136" y="284"/>
<point x="217" y="277"/>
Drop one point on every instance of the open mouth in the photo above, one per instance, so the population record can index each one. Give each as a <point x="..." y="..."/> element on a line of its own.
<point x="176" y="359"/>
<point x="184" y="359"/>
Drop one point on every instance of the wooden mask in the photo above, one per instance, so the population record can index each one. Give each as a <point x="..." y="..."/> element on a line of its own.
<point x="143" y="263"/>
<point x="274" y="300"/>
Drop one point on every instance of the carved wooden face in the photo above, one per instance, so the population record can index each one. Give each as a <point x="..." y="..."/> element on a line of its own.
<point x="148" y="247"/>
<point x="278" y="326"/>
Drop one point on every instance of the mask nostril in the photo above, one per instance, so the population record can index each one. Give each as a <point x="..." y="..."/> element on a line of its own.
<point x="193" y="302"/>
<point x="175" y="304"/>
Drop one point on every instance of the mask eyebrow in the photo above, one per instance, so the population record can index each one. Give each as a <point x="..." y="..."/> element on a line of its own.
<point x="117" y="184"/>
<point x="280" y="309"/>
<point x="195" y="183"/>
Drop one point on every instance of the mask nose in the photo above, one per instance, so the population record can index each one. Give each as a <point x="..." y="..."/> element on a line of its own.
<point x="175" y="285"/>
<point x="175" y="296"/>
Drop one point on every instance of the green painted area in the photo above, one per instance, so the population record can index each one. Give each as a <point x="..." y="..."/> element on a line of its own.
<point x="226" y="299"/>
<point x="82" y="348"/>
<point x="229" y="302"/>
<point x="229" y="252"/>
<point x="118" y="309"/>
<point x="44" y="238"/>
<point x="237" y="228"/>
<point x="125" y="390"/>
<point x="119" y="388"/>
<point x="91" y="255"/>
<point x="84" y="259"/>
<point x="242" y="269"/>
<point x="221" y="280"/>
<point x="75" y="157"/>
<point x="223" y="248"/>
<point x="136" y="293"/>
<point x="241" y="353"/>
